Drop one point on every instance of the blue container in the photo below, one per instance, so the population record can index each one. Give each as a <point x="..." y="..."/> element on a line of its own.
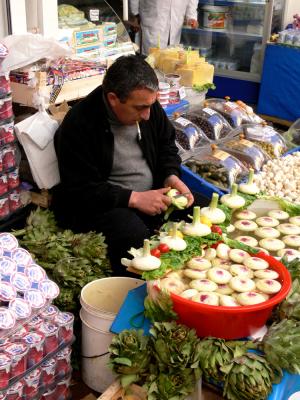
<point x="198" y="184"/>
<point x="291" y="151"/>
<point x="289" y="384"/>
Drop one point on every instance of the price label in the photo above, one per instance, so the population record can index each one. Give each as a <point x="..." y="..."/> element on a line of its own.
<point x="182" y="121"/>
<point x="94" y="15"/>
<point x="246" y="143"/>
<point x="209" y="111"/>
<point x="182" y="93"/>
<point x="220" y="155"/>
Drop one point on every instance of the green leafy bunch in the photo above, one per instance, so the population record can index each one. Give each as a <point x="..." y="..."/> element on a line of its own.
<point x="249" y="377"/>
<point x="281" y="345"/>
<point x="174" y="346"/>
<point x="215" y="353"/>
<point x="130" y="355"/>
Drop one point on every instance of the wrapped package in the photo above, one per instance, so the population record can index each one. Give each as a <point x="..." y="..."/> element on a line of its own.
<point x="250" y="154"/>
<point x="216" y="166"/>
<point x="234" y="114"/>
<point x="213" y="124"/>
<point x="265" y="136"/>
<point x="188" y="135"/>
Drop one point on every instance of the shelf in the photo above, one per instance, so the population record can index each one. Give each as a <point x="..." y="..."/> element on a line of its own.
<point x="198" y="31"/>
<point x="233" y="2"/>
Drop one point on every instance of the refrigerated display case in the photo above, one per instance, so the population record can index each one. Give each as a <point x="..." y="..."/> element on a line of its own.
<point x="232" y="35"/>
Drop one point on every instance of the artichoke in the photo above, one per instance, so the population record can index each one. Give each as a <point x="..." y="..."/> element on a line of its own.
<point x="40" y="226"/>
<point x="171" y="386"/>
<point x="130" y="355"/>
<point x="215" y="353"/>
<point x="248" y="377"/>
<point x="90" y="245"/>
<point x="290" y="307"/>
<point x="281" y="345"/>
<point x="293" y="267"/>
<point x="174" y="347"/>
<point x="160" y="309"/>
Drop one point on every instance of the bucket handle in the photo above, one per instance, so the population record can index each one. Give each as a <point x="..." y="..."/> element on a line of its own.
<point x="135" y="317"/>
<point x="98" y="356"/>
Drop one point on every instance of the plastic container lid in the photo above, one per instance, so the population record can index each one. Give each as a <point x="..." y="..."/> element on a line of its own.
<point x="7" y="291"/>
<point x="50" y="312"/>
<point x="7" y="266"/>
<point x="20" y="307"/>
<point x="64" y="318"/>
<point x="49" y="329"/>
<point x="49" y="289"/>
<point x="215" y="8"/>
<point x="21" y="256"/>
<point x="35" y="298"/>
<point x="8" y="242"/>
<point x="64" y="354"/>
<point x="17" y="349"/>
<point x="35" y="273"/>
<point x="20" y="281"/>
<point x="34" y="339"/>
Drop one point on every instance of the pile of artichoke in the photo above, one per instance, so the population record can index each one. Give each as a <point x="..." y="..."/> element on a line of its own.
<point x="165" y="362"/>
<point x="72" y="260"/>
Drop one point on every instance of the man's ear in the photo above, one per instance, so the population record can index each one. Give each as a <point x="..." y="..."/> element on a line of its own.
<point x="113" y="99"/>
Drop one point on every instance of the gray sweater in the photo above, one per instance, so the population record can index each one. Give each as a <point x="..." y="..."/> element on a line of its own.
<point x="130" y="169"/>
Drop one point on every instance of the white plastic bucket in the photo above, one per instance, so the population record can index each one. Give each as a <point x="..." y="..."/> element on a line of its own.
<point x="215" y="17"/>
<point x="100" y="301"/>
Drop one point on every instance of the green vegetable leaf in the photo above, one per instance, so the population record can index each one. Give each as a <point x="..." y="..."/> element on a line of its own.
<point x="235" y="244"/>
<point x="291" y="208"/>
<point x="205" y="87"/>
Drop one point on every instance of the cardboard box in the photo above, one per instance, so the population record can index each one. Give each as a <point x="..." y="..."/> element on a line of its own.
<point x="72" y="90"/>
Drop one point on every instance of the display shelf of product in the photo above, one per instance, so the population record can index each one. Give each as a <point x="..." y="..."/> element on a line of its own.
<point x="202" y="31"/>
<point x="232" y="35"/>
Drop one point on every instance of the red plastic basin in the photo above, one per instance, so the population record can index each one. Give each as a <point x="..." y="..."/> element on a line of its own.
<point x="232" y="322"/>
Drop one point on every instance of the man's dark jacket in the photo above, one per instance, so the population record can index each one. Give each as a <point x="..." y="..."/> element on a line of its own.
<point x="84" y="146"/>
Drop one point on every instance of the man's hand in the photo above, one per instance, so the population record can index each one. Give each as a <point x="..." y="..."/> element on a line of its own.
<point x="193" y="23"/>
<point x="175" y="183"/>
<point x="151" y="202"/>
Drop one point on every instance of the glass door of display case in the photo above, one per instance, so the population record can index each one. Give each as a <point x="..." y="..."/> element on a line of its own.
<point x="85" y="15"/>
<point x="232" y="35"/>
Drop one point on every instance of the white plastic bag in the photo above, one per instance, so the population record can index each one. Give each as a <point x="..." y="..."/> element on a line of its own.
<point x="29" y="48"/>
<point x="36" y="135"/>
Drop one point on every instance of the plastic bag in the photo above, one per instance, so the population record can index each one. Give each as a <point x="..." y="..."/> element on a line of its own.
<point x="188" y="135"/>
<point x="213" y="124"/>
<point x="216" y="166"/>
<point x="251" y="155"/>
<point x="265" y="136"/>
<point x="292" y="136"/>
<point x="28" y="48"/>
<point x="231" y="111"/>
<point x="36" y="135"/>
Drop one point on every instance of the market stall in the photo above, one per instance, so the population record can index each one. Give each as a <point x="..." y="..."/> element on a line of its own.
<point x="212" y="311"/>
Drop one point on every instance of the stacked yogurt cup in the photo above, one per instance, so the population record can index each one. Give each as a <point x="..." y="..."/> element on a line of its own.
<point x="35" y="336"/>
<point x="174" y="81"/>
<point x="164" y="93"/>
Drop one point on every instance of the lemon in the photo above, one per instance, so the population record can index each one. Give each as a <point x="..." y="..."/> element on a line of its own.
<point x="205" y="220"/>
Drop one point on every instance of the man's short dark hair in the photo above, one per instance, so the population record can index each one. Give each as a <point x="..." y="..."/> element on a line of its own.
<point x="129" y="73"/>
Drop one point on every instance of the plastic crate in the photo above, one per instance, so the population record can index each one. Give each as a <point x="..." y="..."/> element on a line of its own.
<point x="291" y="151"/>
<point x="198" y="184"/>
